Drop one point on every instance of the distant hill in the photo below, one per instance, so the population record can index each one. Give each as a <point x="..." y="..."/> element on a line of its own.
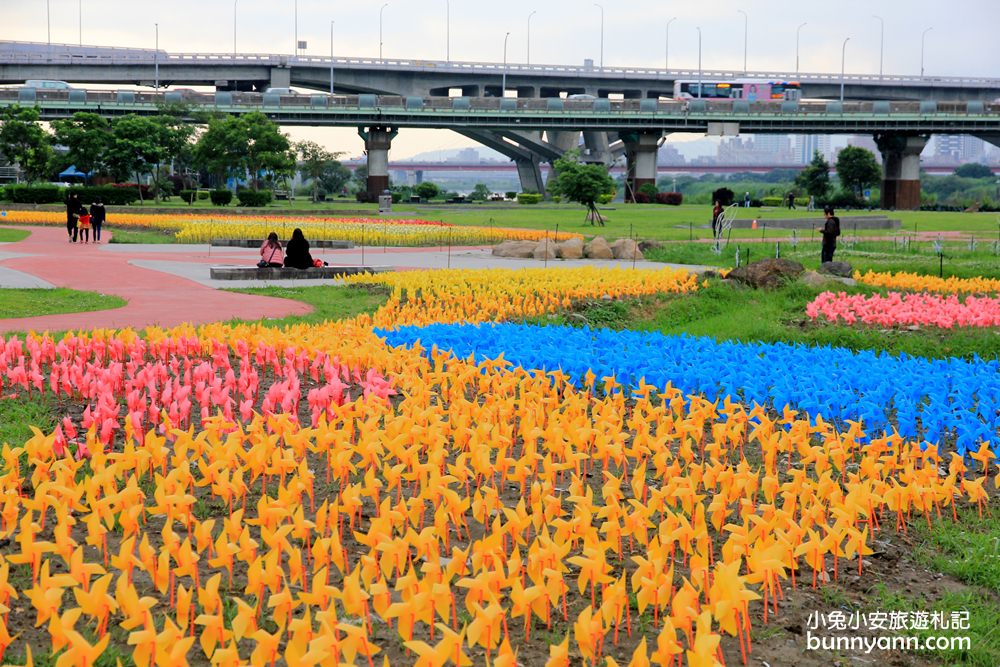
<point x="470" y="154"/>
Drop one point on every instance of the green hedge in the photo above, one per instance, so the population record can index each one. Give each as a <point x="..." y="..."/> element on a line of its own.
<point x="254" y="197"/>
<point x="188" y="196"/>
<point x="782" y="201"/>
<point x="109" y="194"/>
<point x="221" y="197"/>
<point x="27" y="194"/>
<point x="529" y="198"/>
<point x="606" y="198"/>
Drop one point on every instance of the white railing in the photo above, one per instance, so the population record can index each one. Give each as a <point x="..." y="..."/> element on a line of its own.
<point x="21" y="53"/>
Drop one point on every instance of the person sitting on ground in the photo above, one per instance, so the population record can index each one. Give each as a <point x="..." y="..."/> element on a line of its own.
<point x="297" y="251"/>
<point x="271" y="252"/>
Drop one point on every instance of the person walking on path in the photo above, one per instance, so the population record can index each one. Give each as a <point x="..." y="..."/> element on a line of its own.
<point x="297" y="251"/>
<point x="84" y="225"/>
<point x="97" y="216"/>
<point x="830" y="232"/>
<point x="791" y="200"/>
<point x="73" y="210"/>
<point x="271" y="253"/>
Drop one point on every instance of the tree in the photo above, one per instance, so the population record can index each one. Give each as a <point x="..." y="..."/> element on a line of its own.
<point x="480" y="193"/>
<point x="815" y="178"/>
<point x="251" y="144"/>
<point x="427" y="190"/>
<point x="724" y="196"/>
<point x="582" y="183"/>
<point x="335" y="178"/>
<point x="857" y="169"/>
<point x="23" y="141"/>
<point x="974" y="170"/>
<point x="138" y="147"/>
<point x="315" y="163"/>
<point x="87" y="138"/>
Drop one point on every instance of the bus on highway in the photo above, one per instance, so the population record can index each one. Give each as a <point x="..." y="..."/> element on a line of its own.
<point x="752" y="90"/>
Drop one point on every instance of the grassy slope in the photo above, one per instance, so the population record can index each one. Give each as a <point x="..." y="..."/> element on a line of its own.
<point x="334" y="302"/>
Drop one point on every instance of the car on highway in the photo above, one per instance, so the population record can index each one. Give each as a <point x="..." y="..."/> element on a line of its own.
<point x="45" y="84"/>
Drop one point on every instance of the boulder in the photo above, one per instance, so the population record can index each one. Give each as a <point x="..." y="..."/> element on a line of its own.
<point x="570" y="249"/>
<point x="625" y="249"/>
<point x="842" y="269"/>
<point x="767" y="273"/>
<point x="544" y="249"/>
<point x="522" y="249"/>
<point x="814" y="279"/>
<point x="598" y="249"/>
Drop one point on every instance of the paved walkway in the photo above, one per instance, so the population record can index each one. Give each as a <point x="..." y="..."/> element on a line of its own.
<point x="169" y="284"/>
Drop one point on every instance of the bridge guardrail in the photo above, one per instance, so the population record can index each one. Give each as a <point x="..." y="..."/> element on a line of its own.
<point x="537" y="105"/>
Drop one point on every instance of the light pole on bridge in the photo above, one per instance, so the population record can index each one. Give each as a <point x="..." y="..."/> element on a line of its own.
<point x="503" y="81"/>
<point x="666" y="45"/>
<point x="528" y="58"/>
<point x="296" y="22"/>
<point x="447" y="30"/>
<point x="381" y="9"/>
<point x="601" y="7"/>
<point x="156" y="57"/>
<point x="235" y="2"/>
<point x="922" y="36"/>
<point x="746" y="32"/>
<point x="843" y="55"/>
<point x="48" y="20"/>
<point x="79" y="16"/>
<point x="331" y="56"/>
<point x="881" y="43"/>
<point x="699" y="60"/>
<point x="797" y="35"/>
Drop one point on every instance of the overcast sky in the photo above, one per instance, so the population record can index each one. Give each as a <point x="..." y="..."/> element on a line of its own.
<point x="963" y="40"/>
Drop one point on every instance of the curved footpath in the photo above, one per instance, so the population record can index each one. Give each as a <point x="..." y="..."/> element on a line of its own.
<point x="154" y="298"/>
<point x="166" y="285"/>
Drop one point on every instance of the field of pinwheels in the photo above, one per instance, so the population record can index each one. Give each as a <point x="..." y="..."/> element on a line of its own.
<point x="202" y="228"/>
<point x="441" y="483"/>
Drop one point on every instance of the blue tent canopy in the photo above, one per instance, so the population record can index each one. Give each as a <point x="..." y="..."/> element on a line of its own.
<point x="73" y="172"/>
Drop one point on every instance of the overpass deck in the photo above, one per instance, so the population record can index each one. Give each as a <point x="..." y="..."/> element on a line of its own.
<point x="716" y="117"/>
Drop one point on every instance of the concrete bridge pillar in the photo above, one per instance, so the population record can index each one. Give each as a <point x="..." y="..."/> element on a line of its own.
<point x="378" y="139"/>
<point x="640" y="154"/>
<point x="529" y="172"/>
<point x="598" y="148"/>
<point x="281" y="77"/>
<point x="901" y="169"/>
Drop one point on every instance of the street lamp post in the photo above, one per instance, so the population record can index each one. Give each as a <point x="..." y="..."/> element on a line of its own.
<point x="79" y="15"/>
<point x="922" y="36"/>
<point x="503" y="81"/>
<point x="601" y="7"/>
<point x="447" y="30"/>
<point x="528" y="59"/>
<point x="797" y="31"/>
<point x="331" y="56"/>
<point x="235" y="2"/>
<point x="666" y="45"/>
<point x="381" y="9"/>
<point x="156" y="57"/>
<point x="881" y="43"/>
<point x="296" y="29"/>
<point x="48" y="20"/>
<point x="746" y="31"/>
<point x="699" y="61"/>
<point x="843" y="55"/>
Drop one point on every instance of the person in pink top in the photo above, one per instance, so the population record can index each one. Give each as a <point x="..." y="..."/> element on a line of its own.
<point x="271" y="253"/>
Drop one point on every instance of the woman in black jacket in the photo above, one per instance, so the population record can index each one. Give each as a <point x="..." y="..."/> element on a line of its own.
<point x="297" y="251"/>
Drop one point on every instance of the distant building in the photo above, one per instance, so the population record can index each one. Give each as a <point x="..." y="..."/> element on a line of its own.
<point x="808" y="144"/>
<point x="761" y="149"/>
<point x="670" y="157"/>
<point x="866" y="141"/>
<point x="958" y="149"/>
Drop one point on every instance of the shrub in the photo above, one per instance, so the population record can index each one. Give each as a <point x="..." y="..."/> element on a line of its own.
<point x="40" y="194"/>
<point x="145" y="190"/>
<point x="529" y="198"/>
<point x="110" y="194"/>
<point x="724" y="196"/>
<point x="606" y="198"/>
<point x="648" y="189"/>
<point x="254" y="197"/>
<point x="188" y="196"/>
<point x="771" y="201"/>
<point x="364" y="198"/>
<point x="510" y="195"/>
<point x="669" y="198"/>
<point x="203" y="195"/>
<point x="846" y="199"/>
<point x="427" y="190"/>
<point x="221" y="197"/>
<point x="642" y="198"/>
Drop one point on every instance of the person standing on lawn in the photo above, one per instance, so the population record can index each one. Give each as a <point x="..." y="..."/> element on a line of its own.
<point x="830" y="232"/>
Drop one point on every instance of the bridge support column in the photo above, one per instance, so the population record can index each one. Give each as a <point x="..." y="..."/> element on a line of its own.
<point x="378" y="139"/>
<point x="901" y="167"/>
<point x="598" y="148"/>
<point x="281" y="77"/>
<point x="640" y="154"/>
<point x="529" y="172"/>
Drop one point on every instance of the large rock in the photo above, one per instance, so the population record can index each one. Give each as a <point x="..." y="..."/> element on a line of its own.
<point x="767" y="273"/>
<point x="625" y="249"/>
<point x="544" y="249"/>
<point x="814" y="279"/>
<point x="522" y="249"/>
<point x="570" y="249"/>
<point x="598" y="249"/>
<point x="842" y="269"/>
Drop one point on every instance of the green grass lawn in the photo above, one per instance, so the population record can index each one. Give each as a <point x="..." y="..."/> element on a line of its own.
<point x="35" y="302"/>
<point x="120" y="235"/>
<point x="334" y="302"/>
<point x="9" y="235"/>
